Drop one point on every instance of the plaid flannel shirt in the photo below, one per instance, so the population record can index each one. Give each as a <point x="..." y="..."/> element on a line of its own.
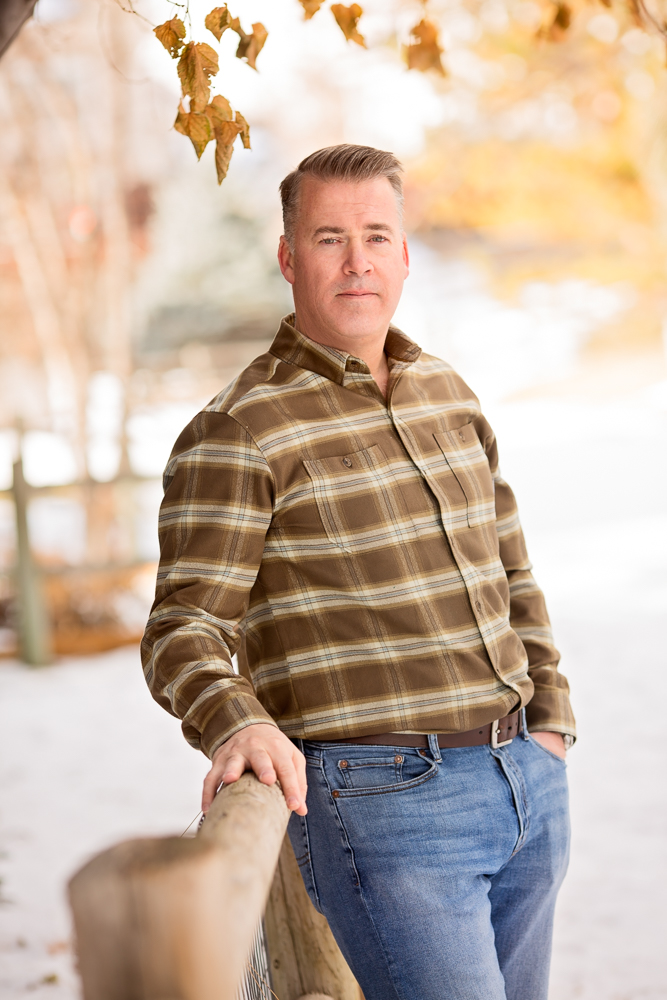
<point x="367" y="554"/>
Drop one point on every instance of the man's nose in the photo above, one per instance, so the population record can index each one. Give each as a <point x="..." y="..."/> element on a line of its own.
<point x="357" y="261"/>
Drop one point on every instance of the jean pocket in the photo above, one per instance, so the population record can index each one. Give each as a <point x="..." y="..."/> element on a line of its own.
<point x="554" y="756"/>
<point x="377" y="773"/>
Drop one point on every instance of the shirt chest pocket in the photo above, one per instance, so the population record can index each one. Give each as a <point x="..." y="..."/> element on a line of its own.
<point x="359" y="500"/>
<point x="465" y="479"/>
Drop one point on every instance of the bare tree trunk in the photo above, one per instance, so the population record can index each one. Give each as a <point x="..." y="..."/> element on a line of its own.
<point x="34" y="628"/>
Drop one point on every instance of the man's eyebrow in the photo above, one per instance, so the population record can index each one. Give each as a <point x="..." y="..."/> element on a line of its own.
<point x="376" y="227"/>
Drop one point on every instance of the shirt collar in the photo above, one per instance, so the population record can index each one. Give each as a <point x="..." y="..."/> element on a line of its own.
<point x="295" y="348"/>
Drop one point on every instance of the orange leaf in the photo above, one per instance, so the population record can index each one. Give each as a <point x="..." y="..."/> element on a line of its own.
<point x="171" y="34"/>
<point x="560" y="22"/>
<point x="245" y="130"/>
<point x="310" y="7"/>
<point x="424" y="53"/>
<point x="347" y="18"/>
<point x="218" y="21"/>
<point x="198" y="63"/>
<point x="224" y="147"/>
<point x="196" y="126"/>
<point x="219" y="111"/>
<point x="250" y="46"/>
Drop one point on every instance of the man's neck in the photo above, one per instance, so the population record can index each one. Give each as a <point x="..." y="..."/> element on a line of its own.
<point x="369" y="349"/>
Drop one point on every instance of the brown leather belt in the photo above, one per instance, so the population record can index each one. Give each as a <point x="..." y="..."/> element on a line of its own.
<point x="497" y="733"/>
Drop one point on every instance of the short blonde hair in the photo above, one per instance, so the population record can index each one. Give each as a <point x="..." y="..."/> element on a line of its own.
<point x="339" y="163"/>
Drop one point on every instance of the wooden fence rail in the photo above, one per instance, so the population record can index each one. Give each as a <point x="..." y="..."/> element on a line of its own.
<point x="174" y="919"/>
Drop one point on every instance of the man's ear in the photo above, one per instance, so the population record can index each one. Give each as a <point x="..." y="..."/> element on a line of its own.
<point x="406" y="255"/>
<point x="286" y="261"/>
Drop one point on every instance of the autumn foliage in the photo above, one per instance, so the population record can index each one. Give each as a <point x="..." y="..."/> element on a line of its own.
<point x="204" y="119"/>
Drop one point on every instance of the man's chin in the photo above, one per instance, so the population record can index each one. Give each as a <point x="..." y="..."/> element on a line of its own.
<point x="360" y="317"/>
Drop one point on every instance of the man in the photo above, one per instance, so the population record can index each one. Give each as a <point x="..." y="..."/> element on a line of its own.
<point x="340" y="507"/>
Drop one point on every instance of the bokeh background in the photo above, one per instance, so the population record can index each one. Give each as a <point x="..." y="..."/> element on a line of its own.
<point x="133" y="288"/>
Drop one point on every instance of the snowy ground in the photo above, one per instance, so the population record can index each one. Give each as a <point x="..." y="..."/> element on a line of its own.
<point x="86" y="758"/>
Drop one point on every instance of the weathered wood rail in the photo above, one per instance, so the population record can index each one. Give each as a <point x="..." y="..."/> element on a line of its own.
<point x="174" y="919"/>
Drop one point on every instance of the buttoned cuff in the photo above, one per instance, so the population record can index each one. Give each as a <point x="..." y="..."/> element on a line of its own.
<point x="549" y="711"/>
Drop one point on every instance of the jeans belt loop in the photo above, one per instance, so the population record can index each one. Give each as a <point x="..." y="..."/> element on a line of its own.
<point x="434" y="748"/>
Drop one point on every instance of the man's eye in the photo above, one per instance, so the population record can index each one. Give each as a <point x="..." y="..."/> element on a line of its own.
<point x="378" y="239"/>
<point x="329" y="239"/>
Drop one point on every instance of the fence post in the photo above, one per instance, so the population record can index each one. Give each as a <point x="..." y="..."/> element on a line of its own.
<point x="34" y="626"/>
<point x="174" y="918"/>
<point x="303" y="955"/>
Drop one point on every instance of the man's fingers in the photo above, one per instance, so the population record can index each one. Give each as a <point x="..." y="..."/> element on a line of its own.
<point x="261" y="763"/>
<point x="233" y="768"/>
<point x="272" y="757"/>
<point x="227" y="769"/>
<point x="291" y="785"/>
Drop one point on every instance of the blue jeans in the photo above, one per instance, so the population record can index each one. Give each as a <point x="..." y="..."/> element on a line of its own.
<point x="437" y="870"/>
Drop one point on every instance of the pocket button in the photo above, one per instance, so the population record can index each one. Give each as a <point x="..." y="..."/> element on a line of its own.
<point x="398" y="759"/>
<point x="347" y="462"/>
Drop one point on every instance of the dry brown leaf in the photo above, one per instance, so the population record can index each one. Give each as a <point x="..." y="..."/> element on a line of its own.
<point x="310" y="8"/>
<point x="245" y="130"/>
<point x="198" y="63"/>
<point x="196" y="126"/>
<point x="424" y="53"/>
<point x="251" y="45"/>
<point x="224" y="147"/>
<point x="347" y="18"/>
<point x="219" y="111"/>
<point x="171" y="34"/>
<point x="561" y="22"/>
<point x="218" y="21"/>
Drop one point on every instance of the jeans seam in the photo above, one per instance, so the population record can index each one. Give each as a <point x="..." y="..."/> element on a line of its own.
<point x="388" y="959"/>
<point x="311" y="870"/>
<point x="523" y="813"/>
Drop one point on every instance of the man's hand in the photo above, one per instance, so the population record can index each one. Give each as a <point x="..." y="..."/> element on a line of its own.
<point x="270" y="754"/>
<point x="551" y="741"/>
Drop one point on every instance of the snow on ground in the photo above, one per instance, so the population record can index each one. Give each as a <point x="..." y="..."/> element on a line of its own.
<point x="86" y="758"/>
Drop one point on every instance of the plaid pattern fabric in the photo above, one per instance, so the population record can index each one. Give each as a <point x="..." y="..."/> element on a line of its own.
<point x="367" y="556"/>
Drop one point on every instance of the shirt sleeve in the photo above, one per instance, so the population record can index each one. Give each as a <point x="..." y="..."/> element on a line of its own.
<point x="550" y="708"/>
<point x="217" y="508"/>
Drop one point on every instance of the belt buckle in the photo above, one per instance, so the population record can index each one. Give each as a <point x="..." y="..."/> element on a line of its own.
<point x="495" y="729"/>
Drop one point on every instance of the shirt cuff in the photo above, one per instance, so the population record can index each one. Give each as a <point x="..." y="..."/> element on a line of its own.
<point x="229" y="718"/>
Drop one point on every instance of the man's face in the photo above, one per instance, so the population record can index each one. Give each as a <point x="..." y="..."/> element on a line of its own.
<point x="349" y="262"/>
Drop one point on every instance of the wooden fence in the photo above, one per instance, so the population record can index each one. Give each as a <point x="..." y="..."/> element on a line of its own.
<point x="175" y="919"/>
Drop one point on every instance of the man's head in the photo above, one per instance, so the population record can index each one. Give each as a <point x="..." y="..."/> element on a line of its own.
<point x="344" y="251"/>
